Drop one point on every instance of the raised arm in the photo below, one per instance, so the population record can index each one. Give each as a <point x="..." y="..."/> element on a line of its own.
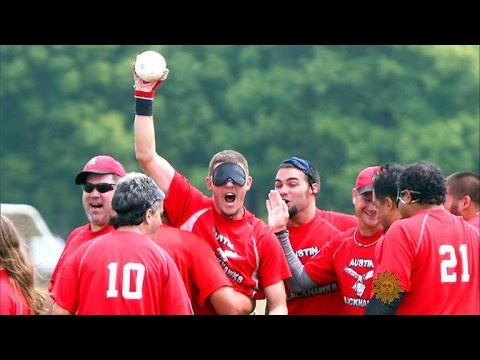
<point x="145" y="148"/>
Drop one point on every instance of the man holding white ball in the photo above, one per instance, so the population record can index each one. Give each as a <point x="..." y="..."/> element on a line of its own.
<point x="247" y="249"/>
<point x="150" y="65"/>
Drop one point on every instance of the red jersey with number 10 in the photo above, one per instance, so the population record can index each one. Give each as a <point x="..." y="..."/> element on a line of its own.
<point x="121" y="273"/>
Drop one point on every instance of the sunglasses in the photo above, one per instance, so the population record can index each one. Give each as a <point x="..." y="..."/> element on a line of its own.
<point x="101" y="187"/>
<point x="401" y="194"/>
<point x="228" y="172"/>
<point x="300" y="164"/>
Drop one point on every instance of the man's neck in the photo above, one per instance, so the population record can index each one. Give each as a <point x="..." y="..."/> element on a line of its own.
<point x="303" y="217"/>
<point x="470" y="213"/>
<point x="132" y="228"/>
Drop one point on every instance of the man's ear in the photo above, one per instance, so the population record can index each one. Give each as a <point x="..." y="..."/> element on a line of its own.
<point x="208" y="182"/>
<point x="249" y="182"/>
<point x="390" y="202"/>
<point x="148" y="216"/>
<point x="466" y="201"/>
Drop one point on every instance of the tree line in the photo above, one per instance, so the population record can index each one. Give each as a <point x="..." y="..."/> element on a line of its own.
<point x="342" y="107"/>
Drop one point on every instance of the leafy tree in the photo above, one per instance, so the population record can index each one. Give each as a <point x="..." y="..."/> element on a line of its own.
<point x="342" y="107"/>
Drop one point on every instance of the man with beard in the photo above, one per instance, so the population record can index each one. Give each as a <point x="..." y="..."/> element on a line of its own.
<point x="347" y="259"/>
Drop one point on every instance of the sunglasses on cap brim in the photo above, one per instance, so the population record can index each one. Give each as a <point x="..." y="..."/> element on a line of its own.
<point x="228" y="172"/>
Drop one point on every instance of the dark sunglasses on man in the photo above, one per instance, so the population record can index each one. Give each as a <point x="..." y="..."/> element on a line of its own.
<point x="101" y="187"/>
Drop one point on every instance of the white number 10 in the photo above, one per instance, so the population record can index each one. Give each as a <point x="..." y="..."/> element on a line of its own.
<point x="451" y="262"/>
<point x="127" y="269"/>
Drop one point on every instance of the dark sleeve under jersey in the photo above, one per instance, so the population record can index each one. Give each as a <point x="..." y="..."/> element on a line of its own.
<point x="378" y="307"/>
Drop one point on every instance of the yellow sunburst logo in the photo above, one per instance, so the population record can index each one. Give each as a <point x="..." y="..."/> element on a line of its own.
<point x="386" y="287"/>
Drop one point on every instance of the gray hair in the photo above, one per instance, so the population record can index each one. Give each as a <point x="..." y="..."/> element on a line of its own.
<point x="134" y="195"/>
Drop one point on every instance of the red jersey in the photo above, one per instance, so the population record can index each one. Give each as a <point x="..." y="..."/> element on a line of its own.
<point x="12" y="300"/>
<point x="247" y="249"/>
<point x="197" y="263"/>
<point x="341" y="221"/>
<point x="434" y="257"/>
<point x="349" y="260"/>
<point x="475" y="220"/>
<point x="306" y="241"/>
<point x="121" y="273"/>
<point x="76" y="238"/>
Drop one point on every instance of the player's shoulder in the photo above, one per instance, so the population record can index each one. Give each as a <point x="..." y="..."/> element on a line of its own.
<point x="347" y="234"/>
<point x="325" y="225"/>
<point x="159" y="251"/>
<point x="342" y="240"/>
<point x="471" y="228"/>
<point x="253" y="220"/>
<point x="168" y="230"/>
<point x="259" y="226"/>
<point x="189" y="236"/>
<point x="91" y="244"/>
<point x="78" y="230"/>
<point x="6" y="284"/>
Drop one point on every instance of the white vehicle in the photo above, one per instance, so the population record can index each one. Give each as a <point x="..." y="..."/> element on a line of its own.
<point x="44" y="248"/>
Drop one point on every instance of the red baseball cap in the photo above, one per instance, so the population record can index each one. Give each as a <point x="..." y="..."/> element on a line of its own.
<point x="366" y="179"/>
<point x="100" y="164"/>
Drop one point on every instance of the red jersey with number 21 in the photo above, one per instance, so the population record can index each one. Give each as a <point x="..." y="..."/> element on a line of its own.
<point x="435" y="258"/>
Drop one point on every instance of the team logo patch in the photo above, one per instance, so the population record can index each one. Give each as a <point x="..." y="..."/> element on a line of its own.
<point x="92" y="162"/>
<point x="386" y="287"/>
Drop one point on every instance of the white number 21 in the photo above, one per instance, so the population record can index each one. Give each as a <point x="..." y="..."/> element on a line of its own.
<point x="451" y="262"/>
<point x="127" y="269"/>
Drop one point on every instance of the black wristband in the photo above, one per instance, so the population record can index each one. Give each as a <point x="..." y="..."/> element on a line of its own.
<point x="282" y="232"/>
<point x="143" y="107"/>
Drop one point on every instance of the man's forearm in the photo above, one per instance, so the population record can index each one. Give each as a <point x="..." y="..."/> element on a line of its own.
<point x="300" y="281"/>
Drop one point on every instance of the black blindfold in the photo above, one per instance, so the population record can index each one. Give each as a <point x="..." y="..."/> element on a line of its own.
<point x="228" y="172"/>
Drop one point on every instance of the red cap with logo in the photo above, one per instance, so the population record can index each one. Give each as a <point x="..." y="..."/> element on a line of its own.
<point x="366" y="179"/>
<point x="100" y="164"/>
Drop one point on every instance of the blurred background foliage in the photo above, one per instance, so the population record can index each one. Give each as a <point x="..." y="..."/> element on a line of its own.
<point x="341" y="107"/>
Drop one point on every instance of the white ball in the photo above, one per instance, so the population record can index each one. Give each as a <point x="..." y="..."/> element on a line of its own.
<point x="150" y="65"/>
